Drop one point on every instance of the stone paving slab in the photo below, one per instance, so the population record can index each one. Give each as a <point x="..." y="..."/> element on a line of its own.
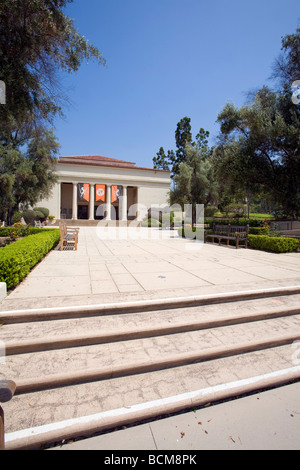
<point x="107" y="270"/>
<point x="268" y="420"/>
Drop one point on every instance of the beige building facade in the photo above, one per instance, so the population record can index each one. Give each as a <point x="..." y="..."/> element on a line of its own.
<point x="95" y="188"/>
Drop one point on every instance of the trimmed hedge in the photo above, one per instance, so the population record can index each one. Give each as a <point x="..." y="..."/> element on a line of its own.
<point x="189" y="232"/>
<point x="151" y="223"/>
<point x="222" y="221"/>
<point x="259" y="230"/>
<point x="273" y="244"/>
<point x="18" y="259"/>
<point x="22" y="231"/>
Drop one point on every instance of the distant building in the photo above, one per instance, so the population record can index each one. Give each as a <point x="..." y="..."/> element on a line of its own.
<point x="93" y="187"/>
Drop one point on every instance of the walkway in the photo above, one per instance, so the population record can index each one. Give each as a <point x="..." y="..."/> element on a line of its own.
<point x="152" y="265"/>
<point x="106" y="368"/>
<point x="268" y="420"/>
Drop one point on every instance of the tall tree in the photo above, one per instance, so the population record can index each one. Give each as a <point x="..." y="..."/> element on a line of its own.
<point x="161" y="161"/>
<point x="259" y="149"/>
<point x="194" y="182"/>
<point x="183" y="137"/>
<point x="38" y="42"/>
<point x="286" y="68"/>
<point x="27" y="176"/>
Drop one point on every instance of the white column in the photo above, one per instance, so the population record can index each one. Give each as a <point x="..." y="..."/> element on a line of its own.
<point x="108" y="202"/>
<point x="92" y="202"/>
<point x="138" y="212"/>
<point x="75" y="203"/>
<point x="124" y="203"/>
<point x="58" y="215"/>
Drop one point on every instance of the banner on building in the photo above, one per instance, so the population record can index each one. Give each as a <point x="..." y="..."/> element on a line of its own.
<point x="116" y="193"/>
<point x="83" y="192"/>
<point x="100" y="192"/>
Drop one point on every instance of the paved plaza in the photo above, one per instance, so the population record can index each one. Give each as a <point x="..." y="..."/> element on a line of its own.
<point x="122" y="266"/>
<point x="135" y="264"/>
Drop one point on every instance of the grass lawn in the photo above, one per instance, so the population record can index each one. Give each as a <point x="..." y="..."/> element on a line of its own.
<point x="257" y="215"/>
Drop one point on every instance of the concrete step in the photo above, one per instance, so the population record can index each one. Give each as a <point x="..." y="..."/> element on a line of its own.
<point x="111" y="365"/>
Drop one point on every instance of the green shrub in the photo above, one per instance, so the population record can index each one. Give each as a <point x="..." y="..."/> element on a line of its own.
<point x="210" y="211"/>
<point x="16" y="217"/>
<point x="259" y="230"/>
<point x="29" y="216"/>
<point x="168" y="218"/>
<point x="189" y="232"/>
<point x="250" y="222"/>
<point x="43" y="211"/>
<point x="23" y="231"/>
<point x="18" y="259"/>
<point x="151" y="223"/>
<point x="274" y="244"/>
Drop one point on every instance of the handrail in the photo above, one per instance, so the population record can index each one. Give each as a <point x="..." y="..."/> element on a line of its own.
<point x="7" y="391"/>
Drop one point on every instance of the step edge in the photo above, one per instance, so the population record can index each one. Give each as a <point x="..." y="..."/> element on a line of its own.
<point x="21" y="316"/>
<point x="86" y="426"/>
<point x="73" y="341"/>
<point x="31" y="385"/>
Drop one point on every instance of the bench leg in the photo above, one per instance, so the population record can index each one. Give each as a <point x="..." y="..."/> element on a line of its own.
<point x="2" y="443"/>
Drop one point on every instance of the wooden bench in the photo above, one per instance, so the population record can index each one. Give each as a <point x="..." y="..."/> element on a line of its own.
<point x="7" y="391"/>
<point x="39" y="224"/>
<point x="68" y="236"/>
<point x="238" y="233"/>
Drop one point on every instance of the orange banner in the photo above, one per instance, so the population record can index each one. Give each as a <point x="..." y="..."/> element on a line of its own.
<point x="116" y="192"/>
<point x="100" y="192"/>
<point x="84" y="192"/>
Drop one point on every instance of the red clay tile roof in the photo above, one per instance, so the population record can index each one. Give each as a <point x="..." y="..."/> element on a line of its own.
<point x="98" y="160"/>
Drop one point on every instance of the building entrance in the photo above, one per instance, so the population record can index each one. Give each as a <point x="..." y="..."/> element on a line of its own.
<point x="83" y="212"/>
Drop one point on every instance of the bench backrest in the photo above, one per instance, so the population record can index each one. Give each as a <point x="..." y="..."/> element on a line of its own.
<point x="231" y="230"/>
<point x="63" y="229"/>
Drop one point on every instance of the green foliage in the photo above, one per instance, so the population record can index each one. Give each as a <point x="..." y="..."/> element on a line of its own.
<point x="259" y="230"/>
<point x="258" y="154"/>
<point x="273" y="244"/>
<point x="189" y="232"/>
<point x="18" y="259"/>
<point x="250" y="222"/>
<point x="210" y="211"/>
<point x="38" y="41"/>
<point x="16" y="217"/>
<point x="151" y="223"/>
<point x="27" y="175"/>
<point x="29" y="216"/>
<point x="167" y="218"/>
<point x="160" y="162"/>
<point x="236" y="209"/>
<point x="194" y="182"/>
<point x="183" y="138"/>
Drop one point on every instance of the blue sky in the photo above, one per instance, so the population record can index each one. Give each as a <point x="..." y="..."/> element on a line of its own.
<point x="166" y="59"/>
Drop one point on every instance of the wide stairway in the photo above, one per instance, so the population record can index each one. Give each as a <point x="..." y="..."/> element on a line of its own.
<point x="84" y="370"/>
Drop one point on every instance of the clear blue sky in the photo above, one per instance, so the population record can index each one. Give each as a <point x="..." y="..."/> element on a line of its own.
<point x="166" y="59"/>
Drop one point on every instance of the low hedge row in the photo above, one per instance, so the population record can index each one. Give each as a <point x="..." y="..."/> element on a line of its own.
<point x="18" y="259"/>
<point x="250" y="222"/>
<point x="22" y="231"/>
<point x="274" y="244"/>
<point x="189" y="232"/>
<point x="257" y="242"/>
